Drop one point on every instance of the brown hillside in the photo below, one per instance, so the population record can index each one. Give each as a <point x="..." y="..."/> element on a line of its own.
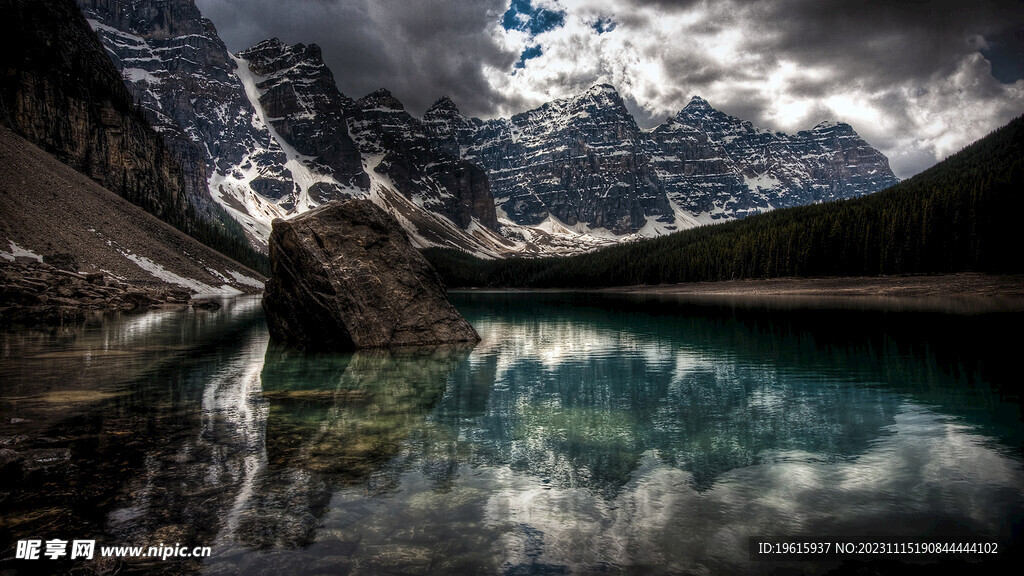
<point x="47" y="207"/>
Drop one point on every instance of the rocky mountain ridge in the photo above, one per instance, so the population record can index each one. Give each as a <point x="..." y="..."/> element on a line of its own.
<point x="273" y="129"/>
<point x="179" y="71"/>
<point x="301" y="103"/>
<point x="584" y="161"/>
<point x="440" y="199"/>
<point x="580" y="160"/>
<point x="279" y="138"/>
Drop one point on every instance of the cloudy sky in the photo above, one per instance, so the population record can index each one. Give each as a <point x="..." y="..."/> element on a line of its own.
<point x="918" y="79"/>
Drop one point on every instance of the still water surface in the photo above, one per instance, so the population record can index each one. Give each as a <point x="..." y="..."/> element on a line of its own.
<point x="584" y="434"/>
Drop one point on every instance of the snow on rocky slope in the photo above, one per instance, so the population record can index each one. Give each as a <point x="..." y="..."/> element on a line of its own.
<point x="584" y="162"/>
<point x="272" y="136"/>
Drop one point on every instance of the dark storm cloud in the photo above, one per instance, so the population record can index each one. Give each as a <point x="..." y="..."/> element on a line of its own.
<point x="914" y="63"/>
<point x="354" y="47"/>
<point x="440" y="48"/>
<point x="419" y="50"/>
<point x="883" y="42"/>
<point x="877" y="42"/>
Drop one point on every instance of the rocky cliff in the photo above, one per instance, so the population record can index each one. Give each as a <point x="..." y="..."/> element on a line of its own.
<point x="397" y="147"/>
<point x="266" y="130"/>
<point x="146" y="35"/>
<point x="60" y="91"/>
<point x="584" y="161"/>
<point x="301" y="101"/>
<point x="179" y="71"/>
<point x="581" y="160"/>
<point x="716" y="164"/>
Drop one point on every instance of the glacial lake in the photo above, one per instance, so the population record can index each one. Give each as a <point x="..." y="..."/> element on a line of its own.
<point x="585" y="434"/>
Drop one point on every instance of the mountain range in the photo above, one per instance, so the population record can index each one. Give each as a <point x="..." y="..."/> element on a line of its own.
<point x="267" y="134"/>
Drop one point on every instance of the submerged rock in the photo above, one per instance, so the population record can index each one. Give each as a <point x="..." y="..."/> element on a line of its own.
<point x="344" y="276"/>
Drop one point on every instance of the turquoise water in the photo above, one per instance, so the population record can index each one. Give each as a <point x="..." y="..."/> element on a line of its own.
<point x="584" y="434"/>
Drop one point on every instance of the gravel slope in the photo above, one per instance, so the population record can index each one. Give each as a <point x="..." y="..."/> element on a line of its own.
<point x="46" y="207"/>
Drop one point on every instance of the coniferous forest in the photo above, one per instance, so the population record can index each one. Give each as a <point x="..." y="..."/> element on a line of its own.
<point x="961" y="215"/>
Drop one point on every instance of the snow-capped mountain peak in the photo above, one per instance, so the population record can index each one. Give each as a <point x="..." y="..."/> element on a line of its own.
<point x="381" y="99"/>
<point x="698" y="103"/>
<point x="444" y="105"/>
<point x="583" y="161"/>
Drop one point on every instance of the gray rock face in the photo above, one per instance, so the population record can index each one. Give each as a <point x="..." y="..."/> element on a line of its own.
<point x="61" y="92"/>
<point x="420" y="171"/>
<point x="584" y="160"/>
<point x="717" y="164"/>
<point x="580" y="159"/>
<point x="179" y="71"/>
<point x="302" y="102"/>
<point x="266" y="131"/>
<point x="344" y="276"/>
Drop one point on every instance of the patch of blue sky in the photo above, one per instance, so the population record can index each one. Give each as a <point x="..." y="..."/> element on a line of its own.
<point x="523" y="16"/>
<point x="1005" y="52"/>
<point x="531" y="52"/>
<point x="603" y="25"/>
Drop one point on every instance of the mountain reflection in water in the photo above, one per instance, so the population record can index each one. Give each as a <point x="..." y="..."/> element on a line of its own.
<point x="585" y="433"/>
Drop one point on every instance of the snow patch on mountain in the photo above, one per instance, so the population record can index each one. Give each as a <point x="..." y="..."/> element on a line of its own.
<point x="17" y="251"/>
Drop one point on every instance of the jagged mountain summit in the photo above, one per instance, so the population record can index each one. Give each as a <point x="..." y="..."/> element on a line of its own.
<point x="179" y="71"/>
<point x="584" y="161"/>
<point x="377" y="147"/>
<point x="580" y="160"/>
<point x="396" y="148"/>
<point x="273" y="136"/>
<point x="299" y="101"/>
<point x="719" y="165"/>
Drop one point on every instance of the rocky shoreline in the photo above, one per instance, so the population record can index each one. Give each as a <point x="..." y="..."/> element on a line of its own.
<point x="963" y="285"/>
<point x="34" y="292"/>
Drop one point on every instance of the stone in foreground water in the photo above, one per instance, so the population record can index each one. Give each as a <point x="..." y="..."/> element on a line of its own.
<point x="344" y="276"/>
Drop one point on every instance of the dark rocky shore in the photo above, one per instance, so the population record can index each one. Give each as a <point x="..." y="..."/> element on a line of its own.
<point x="945" y="285"/>
<point x="33" y="292"/>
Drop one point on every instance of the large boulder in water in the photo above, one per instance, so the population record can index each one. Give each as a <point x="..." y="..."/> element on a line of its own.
<point x="344" y="276"/>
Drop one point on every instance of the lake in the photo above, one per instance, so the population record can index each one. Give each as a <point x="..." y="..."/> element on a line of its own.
<point x="585" y="434"/>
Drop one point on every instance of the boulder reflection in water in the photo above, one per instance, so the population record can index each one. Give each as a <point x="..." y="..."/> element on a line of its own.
<point x="336" y="419"/>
